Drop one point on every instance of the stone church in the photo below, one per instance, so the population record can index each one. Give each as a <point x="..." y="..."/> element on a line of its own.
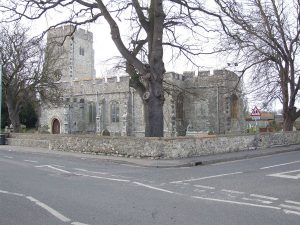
<point x="206" y="101"/>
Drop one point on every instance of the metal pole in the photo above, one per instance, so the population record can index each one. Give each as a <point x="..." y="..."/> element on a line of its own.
<point x="0" y="95"/>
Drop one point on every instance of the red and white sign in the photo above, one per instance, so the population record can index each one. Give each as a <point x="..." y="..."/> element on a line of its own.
<point x="255" y="112"/>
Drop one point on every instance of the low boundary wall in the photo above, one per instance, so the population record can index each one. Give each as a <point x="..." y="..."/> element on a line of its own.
<point x="179" y="147"/>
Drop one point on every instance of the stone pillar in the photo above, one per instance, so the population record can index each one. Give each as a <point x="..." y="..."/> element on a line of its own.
<point x="124" y="116"/>
<point x="67" y="119"/>
<point x="173" y="118"/>
<point x="98" y="115"/>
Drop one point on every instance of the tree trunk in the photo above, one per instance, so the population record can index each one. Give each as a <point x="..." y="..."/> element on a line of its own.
<point x="289" y="118"/>
<point x="153" y="110"/>
<point x="154" y="123"/>
<point x="288" y="124"/>
<point x="13" y="113"/>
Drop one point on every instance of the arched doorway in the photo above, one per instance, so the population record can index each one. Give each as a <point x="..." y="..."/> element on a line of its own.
<point x="55" y="126"/>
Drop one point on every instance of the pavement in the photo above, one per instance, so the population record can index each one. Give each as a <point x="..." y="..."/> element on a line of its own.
<point x="164" y="163"/>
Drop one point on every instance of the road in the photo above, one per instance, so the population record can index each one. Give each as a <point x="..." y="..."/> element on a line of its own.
<point x="54" y="189"/>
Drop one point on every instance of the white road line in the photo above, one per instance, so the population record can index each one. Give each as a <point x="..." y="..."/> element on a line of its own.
<point x="236" y="203"/>
<point x="44" y="206"/>
<point x="205" y="187"/>
<point x="292" y="202"/>
<point x="84" y="170"/>
<point x="104" y="178"/>
<point x="49" y="209"/>
<point x="283" y="164"/>
<point x="11" y="193"/>
<point x="58" y="165"/>
<point x="203" y="178"/>
<point x="257" y="200"/>
<point x="264" y="197"/>
<point x="54" y="168"/>
<point x="284" y="174"/>
<point x="291" y="212"/>
<point x="8" y="157"/>
<point x="290" y="207"/>
<point x="154" y="188"/>
<point x="233" y="192"/>
<point x="199" y="190"/>
<point x="32" y="161"/>
<point x="78" y="223"/>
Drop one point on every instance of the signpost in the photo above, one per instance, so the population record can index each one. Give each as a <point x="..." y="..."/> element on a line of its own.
<point x="255" y="114"/>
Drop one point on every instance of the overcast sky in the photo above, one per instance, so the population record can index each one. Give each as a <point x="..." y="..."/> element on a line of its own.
<point x="105" y="49"/>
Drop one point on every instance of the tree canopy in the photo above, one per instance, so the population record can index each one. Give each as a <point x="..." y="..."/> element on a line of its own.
<point x="264" y="37"/>
<point x="27" y="75"/>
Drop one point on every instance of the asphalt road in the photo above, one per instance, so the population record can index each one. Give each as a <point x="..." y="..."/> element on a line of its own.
<point x="46" y="189"/>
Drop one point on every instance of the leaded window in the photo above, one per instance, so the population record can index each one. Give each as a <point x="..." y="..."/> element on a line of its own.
<point x="114" y="111"/>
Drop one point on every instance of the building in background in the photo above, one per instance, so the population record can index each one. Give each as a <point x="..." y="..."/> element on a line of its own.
<point x="207" y="101"/>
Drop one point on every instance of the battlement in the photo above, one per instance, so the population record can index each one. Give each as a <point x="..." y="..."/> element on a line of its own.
<point x="66" y="30"/>
<point x="200" y="75"/>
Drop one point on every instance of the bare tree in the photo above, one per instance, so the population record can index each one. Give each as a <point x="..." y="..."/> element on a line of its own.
<point x="264" y="37"/>
<point x="27" y="71"/>
<point x="152" y="25"/>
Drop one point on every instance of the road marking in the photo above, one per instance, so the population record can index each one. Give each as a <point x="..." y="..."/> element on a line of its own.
<point x="203" y="178"/>
<point x="291" y="212"/>
<point x="44" y="206"/>
<point x="104" y="178"/>
<point x="58" y="165"/>
<point x="205" y="187"/>
<point x="8" y="157"/>
<point x="83" y="170"/>
<point x="285" y="174"/>
<point x="233" y="192"/>
<point x="32" y="161"/>
<point x="257" y="200"/>
<point x="290" y="207"/>
<point x="78" y="223"/>
<point x="11" y="193"/>
<point x="54" y="168"/>
<point x="49" y="209"/>
<point x="154" y="188"/>
<point x="283" y="164"/>
<point x="236" y="203"/>
<point x="263" y="196"/>
<point x="199" y="190"/>
<point x="292" y="202"/>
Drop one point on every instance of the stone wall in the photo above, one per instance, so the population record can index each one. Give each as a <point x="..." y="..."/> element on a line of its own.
<point x="179" y="147"/>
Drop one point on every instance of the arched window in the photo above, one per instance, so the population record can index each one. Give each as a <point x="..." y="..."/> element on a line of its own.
<point x="179" y="107"/>
<point x="114" y="112"/>
<point x="81" y="51"/>
<point x="92" y="112"/>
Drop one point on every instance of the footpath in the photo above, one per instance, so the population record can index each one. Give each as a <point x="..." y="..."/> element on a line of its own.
<point x="163" y="163"/>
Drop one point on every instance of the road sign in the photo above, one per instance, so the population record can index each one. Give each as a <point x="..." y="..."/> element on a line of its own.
<point x="255" y="112"/>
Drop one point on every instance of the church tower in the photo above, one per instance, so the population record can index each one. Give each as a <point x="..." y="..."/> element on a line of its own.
<point x="75" y="51"/>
